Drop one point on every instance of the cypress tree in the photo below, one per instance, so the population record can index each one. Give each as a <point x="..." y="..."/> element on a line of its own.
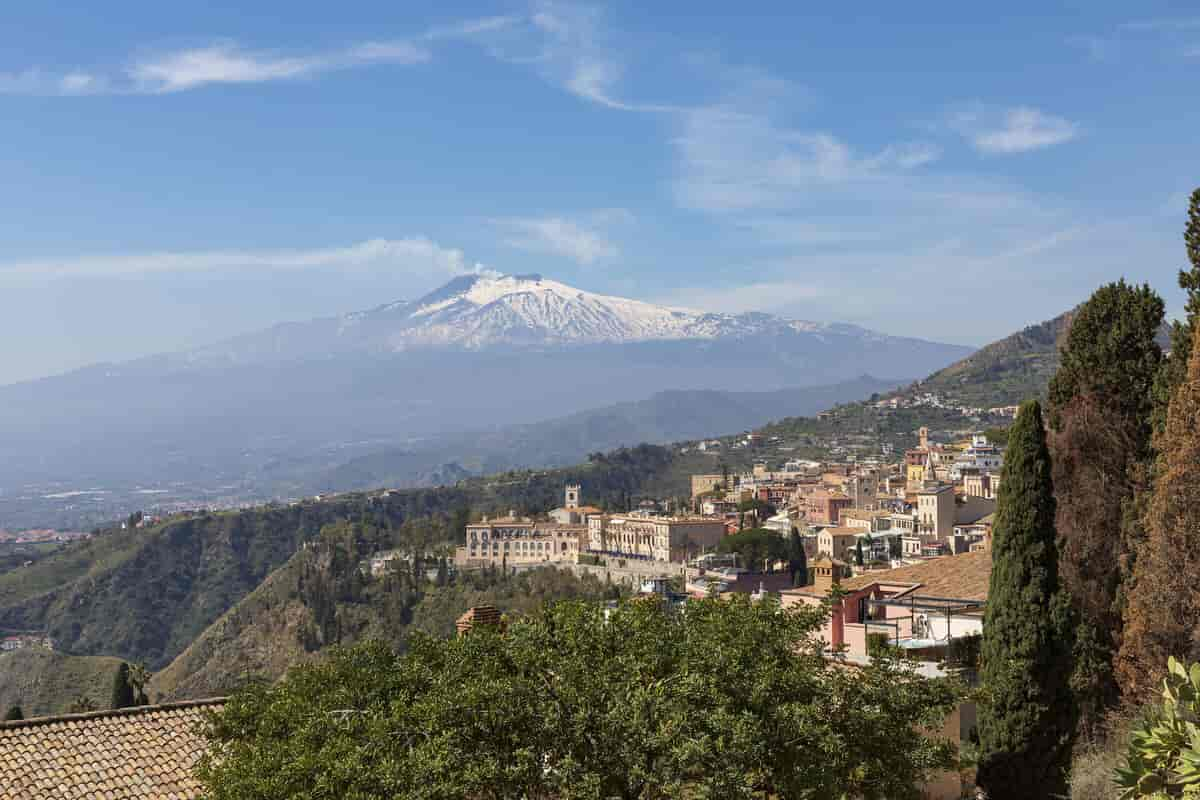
<point x="14" y="713"/>
<point x="1026" y="716"/>
<point x="797" y="559"/>
<point x="1163" y="614"/>
<point x="122" y="690"/>
<point x="1175" y="369"/>
<point x="1101" y="404"/>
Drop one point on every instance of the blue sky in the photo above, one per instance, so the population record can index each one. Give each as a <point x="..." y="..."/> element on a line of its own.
<point x="176" y="175"/>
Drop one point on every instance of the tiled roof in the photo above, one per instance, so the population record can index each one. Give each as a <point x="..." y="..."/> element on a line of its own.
<point x="130" y="754"/>
<point x="963" y="577"/>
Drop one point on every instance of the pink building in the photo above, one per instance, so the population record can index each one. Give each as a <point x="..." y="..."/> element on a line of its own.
<point x="919" y="608"/>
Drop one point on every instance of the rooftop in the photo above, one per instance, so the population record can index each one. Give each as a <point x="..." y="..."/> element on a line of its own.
<point x="963" y="577"/>
<point x="128" y="754"/>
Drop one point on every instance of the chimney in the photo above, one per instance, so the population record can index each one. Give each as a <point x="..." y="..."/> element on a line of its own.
<point x="827" y="574"/>
<point x="478" y="616"/>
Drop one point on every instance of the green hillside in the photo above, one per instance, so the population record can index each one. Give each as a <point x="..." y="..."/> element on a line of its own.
<point x="145" y="594"/>
<point x="1005" y="372"/>
<point x="321" y="598"/>
<point x="44" y="682"/>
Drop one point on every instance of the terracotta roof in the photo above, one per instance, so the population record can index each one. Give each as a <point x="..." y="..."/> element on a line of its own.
<point x="963" y="577"/>
<point x="130" y="754"/>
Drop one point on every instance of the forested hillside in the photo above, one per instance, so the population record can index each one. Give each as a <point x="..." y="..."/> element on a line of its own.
<point x="145" y="594"/>
<point x="42" y="682"/>
<point x="326" y="596"/>
<point x="1005" y="372"/>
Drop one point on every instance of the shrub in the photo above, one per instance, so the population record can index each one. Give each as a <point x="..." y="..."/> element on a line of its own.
<point x="1164" y="753"/>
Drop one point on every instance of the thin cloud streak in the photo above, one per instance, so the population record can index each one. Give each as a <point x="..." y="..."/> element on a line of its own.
<point x="582" y="242"/>
<point x="227" y="62"/>
<point x="416" y="255"/>
<point x="1013" y="130"/>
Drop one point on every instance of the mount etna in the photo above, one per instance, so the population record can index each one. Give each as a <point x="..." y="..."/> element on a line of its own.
<point x="266" y="414"/>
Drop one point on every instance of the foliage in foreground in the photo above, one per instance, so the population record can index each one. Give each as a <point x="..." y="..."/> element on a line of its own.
<point x="730" y="699"/>
<point x="1163" y="759"/>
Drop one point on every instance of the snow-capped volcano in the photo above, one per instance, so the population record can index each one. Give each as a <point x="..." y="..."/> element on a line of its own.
<point x="479" y="311"/>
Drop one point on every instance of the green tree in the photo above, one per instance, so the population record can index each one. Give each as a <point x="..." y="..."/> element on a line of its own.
<point x="757" y="548"/>
<point x="14" y="713"/>
<point x="731" y="700"/>
<point x="1026" y="716"/>
<point x="1100" y="407"/>
<point x="858" y="553"/>
<point x="123" y="695"/>
<point x="1163" y="613"/>
<point x="797" y="559"/>
<point x="1174" y="369"/>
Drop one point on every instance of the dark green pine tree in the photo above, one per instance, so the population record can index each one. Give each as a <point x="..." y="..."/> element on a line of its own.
<point x="14" y="713"/>
<point x="122" y="690"/>
<point x="1174" y="369"/>
<point x="1026" y="714"/>
<point x="797" y="559"/>
<point x="858" y="553"/>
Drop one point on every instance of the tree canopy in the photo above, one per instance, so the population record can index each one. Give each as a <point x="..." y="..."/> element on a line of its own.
<point x="731" y="699"/>
<point x="1101" y="408"/>
<point x="1163" y="613"/>
<point x="757" y="548"/>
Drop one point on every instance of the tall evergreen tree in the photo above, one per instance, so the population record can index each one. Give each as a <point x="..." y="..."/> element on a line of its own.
<point x="1163" y="615"/>
<point x="797" y="559"/>
<point x="14" y="713"/>
<point x="1175" y="369"/>
<point x="1101" y="404"/>
<point x="122" y="691"/>
<point x="1026" y="718"/>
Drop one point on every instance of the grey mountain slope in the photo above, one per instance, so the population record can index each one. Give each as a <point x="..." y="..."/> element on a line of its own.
<point x="265" y="413"/>
<point x="670" y="416"/>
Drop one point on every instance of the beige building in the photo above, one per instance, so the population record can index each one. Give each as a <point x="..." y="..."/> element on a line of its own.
<point x="674" y="539"/>
<point x="935" y="511"/>
<point x="839" y="543"/>
<point x="705" y="483"/>
<point x="573" y="512"/>
<point x="519" y="541"/>
<point x="981" y="483"/>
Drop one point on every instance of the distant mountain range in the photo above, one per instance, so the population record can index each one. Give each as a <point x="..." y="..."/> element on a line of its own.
<point x="268" y="413"/>
<point x="670" y="416"/>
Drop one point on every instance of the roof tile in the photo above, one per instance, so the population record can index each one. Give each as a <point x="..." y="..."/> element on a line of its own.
<point x="130" y="754"/>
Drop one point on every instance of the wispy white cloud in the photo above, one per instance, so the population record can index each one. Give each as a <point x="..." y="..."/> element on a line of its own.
<point x="569" y="44"/>
<point x="732" y="158"/>
<point x="1012" y="130"/>
<point x="417" y="255"/>
<point x="38" y="82"/>
<point x="227" y="62"/>
<point x="582" y="241"/>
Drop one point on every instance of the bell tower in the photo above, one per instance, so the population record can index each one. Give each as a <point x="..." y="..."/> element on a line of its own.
<point x="572" y="496"/>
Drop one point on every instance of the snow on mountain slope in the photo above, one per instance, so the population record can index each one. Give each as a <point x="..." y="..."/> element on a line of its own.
<point x="479" y="311"/>
<point x="483" y="311"/>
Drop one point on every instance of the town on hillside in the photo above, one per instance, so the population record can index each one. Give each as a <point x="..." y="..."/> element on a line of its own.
<point x="794" y="529"/>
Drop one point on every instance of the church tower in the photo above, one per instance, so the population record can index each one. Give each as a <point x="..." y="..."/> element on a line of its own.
<point x="572" y="498"/>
